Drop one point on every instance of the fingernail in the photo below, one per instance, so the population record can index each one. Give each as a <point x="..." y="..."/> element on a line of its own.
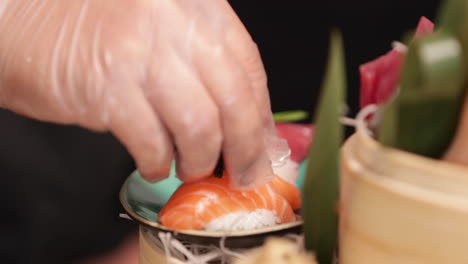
<point x="256" y="175"/>
<point x="246" y="180"/>
<point x="278" y="150"/>
<point x="187" y="172"/>
<point x="157" y="175"/>
<point x="190" y="177"/>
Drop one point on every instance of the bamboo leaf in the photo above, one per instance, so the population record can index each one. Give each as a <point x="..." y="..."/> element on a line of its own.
<point x="454" y="20"/>
<point x="451" y="15"/>
<point x="290" y="116"/>
<point x="424" y="116"/>
<point x="388" y="127"/>
<point x="321" y="184"/>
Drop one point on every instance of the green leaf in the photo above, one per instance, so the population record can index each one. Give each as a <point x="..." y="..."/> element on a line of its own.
<point x="387" y="128"/>
<point x="321" y="184"/>
<point x="424" y="116"/>
<point x="453" y="18"/>
<point x="290" y="116"/>
<point x="451" y="15"/>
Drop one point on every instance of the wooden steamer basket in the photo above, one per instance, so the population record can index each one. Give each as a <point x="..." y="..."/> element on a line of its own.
<point x="397" y="207"/>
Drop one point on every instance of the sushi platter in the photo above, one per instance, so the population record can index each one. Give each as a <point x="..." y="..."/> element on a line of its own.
<point x="143" y="202"/>
<point x="144" y="210"/>
<point x="393" y="192"/>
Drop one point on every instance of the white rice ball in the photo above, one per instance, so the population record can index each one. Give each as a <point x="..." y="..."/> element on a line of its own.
<point x="243" y="220"/>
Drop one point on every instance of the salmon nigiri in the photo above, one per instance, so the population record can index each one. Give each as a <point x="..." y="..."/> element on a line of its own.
<point x="212" y="205"/>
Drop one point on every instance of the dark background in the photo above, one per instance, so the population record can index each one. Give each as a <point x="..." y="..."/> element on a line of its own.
<point x="293" y="39"/>
<point x="59" y="185"/>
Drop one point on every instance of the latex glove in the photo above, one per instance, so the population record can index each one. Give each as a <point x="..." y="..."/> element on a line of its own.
<point x="158" y="74"/>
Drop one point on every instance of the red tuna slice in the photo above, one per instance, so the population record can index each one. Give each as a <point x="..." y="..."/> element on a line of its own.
<point x="380" y="77"/>
<point x="368" y="73"/>
<point x="425" y="27"/>
<point x="299" y="137"/>
<point x="389" y="71"/>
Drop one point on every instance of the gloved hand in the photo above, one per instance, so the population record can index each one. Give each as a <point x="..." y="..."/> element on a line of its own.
<point x="169" y="78"/>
